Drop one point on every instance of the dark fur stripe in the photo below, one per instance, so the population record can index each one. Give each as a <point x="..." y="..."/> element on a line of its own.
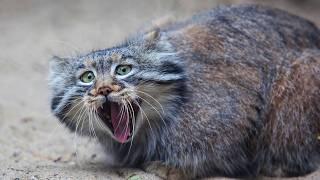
<point x="170" y="68"/>
<point x="56" y="100"/>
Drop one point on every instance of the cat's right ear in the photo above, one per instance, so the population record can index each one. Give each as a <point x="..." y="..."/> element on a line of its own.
<point x="57" y="64"/>
<point x="151" y="38"/>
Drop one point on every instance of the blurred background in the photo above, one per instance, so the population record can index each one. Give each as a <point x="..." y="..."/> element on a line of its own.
<point x="33" y="144"/>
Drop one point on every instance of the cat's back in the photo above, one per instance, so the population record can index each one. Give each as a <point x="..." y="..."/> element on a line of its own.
<point x="244" y="45"/>
<point x="239" y="31"/>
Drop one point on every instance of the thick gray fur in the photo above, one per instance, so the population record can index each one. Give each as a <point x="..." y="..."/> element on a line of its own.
<point x="239" y="87"/>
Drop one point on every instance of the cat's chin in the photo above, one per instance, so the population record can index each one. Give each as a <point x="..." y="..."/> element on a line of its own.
<point x="119" y="119"/>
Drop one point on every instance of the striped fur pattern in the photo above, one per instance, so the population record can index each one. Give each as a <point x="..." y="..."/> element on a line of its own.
<point x="230" y="92"/>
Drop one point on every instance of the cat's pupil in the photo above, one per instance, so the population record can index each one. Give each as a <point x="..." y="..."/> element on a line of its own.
<point x="124" y="70"/>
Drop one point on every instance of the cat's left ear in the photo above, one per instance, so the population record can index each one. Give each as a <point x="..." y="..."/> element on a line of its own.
<point x="58" y="64"/>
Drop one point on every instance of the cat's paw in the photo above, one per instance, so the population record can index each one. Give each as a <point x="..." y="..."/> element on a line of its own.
<point x="163" y="171"/>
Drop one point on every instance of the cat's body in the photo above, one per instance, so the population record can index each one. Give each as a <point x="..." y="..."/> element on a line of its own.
<point x="239" y="89"/>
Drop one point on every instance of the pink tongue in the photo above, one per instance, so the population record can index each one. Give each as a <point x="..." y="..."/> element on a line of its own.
<point x="120" y="124"/>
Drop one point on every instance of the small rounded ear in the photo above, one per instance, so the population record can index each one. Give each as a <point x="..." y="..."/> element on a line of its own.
<point x="151" y="37"/>
<point x="153" y="32"/>
<point x="57" y="63"/>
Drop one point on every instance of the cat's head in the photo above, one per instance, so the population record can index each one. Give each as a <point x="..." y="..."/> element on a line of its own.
<point x="121" y="91"/>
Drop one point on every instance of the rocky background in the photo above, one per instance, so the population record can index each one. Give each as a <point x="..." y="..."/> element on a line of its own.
<point x="33" y="144"/>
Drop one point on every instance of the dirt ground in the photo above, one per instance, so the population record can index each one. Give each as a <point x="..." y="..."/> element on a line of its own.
<point x="33" y="144"/>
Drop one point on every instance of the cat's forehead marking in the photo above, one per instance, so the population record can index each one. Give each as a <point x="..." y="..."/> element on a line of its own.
<point x="116" y="57"/>
<point x="88" y="62"/>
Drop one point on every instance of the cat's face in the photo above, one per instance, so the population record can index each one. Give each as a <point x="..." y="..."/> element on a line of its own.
<point x="115" y="92"/>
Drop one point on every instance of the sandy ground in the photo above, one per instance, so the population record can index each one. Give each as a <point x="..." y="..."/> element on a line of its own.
<point x="33" y="144"/>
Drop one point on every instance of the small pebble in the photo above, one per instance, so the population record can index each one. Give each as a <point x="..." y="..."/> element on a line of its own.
<point x="93" y="156"/>
<point x="57" y="160"/>
<point x="26" y="119"/>
<point x="15" y="154"/>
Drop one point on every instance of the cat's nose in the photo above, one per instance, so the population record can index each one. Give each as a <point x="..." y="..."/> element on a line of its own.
<point x="105" y="90"/>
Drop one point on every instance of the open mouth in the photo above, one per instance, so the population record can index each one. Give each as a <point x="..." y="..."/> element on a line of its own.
<point x="119" y="119"/>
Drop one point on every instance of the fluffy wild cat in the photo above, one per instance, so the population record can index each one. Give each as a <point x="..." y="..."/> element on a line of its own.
<point x="234" y="92"/>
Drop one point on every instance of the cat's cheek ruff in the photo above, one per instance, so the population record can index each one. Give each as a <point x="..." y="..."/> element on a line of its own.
<point x="63" y="102"/>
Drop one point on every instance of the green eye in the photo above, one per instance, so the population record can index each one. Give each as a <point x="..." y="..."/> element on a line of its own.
<point x="87" y="77"/>
<point x="123" y="70"/>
